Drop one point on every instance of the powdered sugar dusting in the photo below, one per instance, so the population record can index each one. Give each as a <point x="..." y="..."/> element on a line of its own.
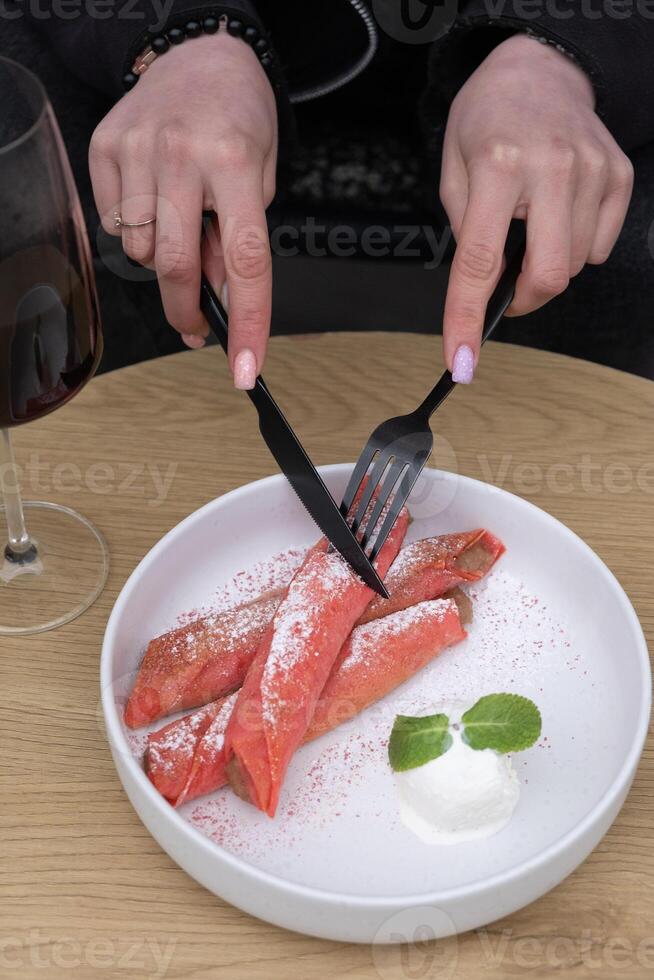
<point x="214" y="737"/>
<point x="220" y="632"/>
<point x="365" y="638"/>
<point x="138" y="742"/>
<point x="412" y="556"/>
<point x="267" y="577"/>
<point x="296" y="628"/>
<point x="379" y="523"/>
<point x="178" y="741"/>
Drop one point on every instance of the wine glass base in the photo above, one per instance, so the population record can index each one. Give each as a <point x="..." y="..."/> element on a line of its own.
<point x="57" y="582"/>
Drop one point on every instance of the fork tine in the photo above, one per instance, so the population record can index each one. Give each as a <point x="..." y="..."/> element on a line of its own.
<point x="355" y="481"/>
<point x="374" y="480"/>
<point x="391" y="477"/>
<point x="399" y="500"/>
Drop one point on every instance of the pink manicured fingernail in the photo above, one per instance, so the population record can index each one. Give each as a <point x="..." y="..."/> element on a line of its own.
<point x="245" y="369"/>
<point x="224" y="296"/>
<point x="463" y="365"/>
<point x="193" y="340"/>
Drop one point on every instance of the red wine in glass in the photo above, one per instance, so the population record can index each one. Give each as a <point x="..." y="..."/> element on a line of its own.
<point x="49" y="346"/>
<point x="54" y="562"/>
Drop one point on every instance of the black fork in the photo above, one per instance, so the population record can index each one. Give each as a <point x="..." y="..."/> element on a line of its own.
<point x="398" y="449"/>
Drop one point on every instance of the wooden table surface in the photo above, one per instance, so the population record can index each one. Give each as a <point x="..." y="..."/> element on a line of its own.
<point x="84" y="890"/>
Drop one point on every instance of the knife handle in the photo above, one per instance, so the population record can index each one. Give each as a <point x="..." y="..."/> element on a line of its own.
<point x="214" y="311"/>
<point x="218" y="321"/>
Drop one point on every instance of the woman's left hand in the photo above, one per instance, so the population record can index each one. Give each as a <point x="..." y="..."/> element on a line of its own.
<point x="523" y="140"/>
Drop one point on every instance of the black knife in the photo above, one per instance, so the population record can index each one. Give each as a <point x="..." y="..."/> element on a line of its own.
<point x="292" y="458"/>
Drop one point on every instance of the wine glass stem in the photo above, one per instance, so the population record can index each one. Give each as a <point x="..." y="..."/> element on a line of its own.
<point x="20" y="546"/>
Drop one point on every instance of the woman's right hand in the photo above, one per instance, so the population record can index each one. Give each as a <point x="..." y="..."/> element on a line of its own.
<point x="197" y="132"/>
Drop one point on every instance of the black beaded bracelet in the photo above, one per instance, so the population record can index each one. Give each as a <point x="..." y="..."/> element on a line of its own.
<point x="160" y="43"/>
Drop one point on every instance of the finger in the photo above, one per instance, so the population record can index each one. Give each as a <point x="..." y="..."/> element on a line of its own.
<point x="138" y="203"/>
<point x="270" y="176"/>
<point x="213" y="260"/>
<point x="585" y="213"/>
<point x="248" y="266"/>
<point x="193" y="340"/>
<point x="453" y="190"/>
<point x="591" y="186"/>
<point x="106" y="182"/>
<point x="546" y="268"/>
<point x="177" y="252"/>
<point x="613" y="210"/>
<point x="475" y="268"/>
<point x="213" y="267"/>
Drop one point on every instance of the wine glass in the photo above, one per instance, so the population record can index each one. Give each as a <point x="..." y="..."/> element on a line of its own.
<point x="54" y="563"/>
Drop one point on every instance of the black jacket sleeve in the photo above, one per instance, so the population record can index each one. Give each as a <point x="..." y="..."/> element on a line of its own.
<point x="319" y="45"/>
<point x="615" y="52"/>
<point x="99" y="40"/>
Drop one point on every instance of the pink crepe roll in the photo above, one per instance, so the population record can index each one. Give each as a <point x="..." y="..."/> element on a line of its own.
<point x="186" y="759"/>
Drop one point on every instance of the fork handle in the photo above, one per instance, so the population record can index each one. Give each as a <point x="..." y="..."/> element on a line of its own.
<point x="497" y="307"/>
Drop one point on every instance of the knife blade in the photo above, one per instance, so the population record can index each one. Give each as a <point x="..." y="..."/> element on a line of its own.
<point x="292" y="458"/>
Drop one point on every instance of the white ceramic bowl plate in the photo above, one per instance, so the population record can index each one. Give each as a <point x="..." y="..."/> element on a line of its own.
<point x="551" y="622"/>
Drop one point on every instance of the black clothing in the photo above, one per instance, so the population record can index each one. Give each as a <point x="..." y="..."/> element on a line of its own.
<point x="371" y="86"/>
<point x="322" y="41"/>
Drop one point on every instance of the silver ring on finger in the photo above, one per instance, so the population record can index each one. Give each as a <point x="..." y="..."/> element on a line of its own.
<point x="120" y="223"/>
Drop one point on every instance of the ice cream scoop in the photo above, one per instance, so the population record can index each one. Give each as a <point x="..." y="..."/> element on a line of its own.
<point x="465" y="794"/>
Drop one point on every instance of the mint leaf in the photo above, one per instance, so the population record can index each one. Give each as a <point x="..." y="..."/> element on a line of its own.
<point x="504" y="722"/>
<point x="415" y="741"/>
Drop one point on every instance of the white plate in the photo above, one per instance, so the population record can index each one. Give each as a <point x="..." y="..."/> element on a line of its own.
<point x="551" y="623"/>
